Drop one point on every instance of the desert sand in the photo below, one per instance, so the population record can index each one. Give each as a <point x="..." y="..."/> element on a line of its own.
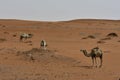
<point x="62" y="60"/>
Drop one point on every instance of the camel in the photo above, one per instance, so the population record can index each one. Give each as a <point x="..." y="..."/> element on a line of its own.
<point x="25" y="36"/>
<point x="43" y="44"/>
<point x="95" y="52"/>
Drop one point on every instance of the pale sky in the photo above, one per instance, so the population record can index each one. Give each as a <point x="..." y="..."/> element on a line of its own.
<point x="57" y="10"/>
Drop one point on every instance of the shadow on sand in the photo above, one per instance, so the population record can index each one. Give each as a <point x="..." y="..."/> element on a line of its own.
<point x="87" y="67"/>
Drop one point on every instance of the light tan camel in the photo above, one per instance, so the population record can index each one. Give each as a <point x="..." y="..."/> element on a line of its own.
<point x="25" y="36"/>
<point x="95" y="52"/>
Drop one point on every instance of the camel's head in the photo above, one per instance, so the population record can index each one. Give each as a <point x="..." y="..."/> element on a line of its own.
<point x="82" y="50"/>
<point x="30" y="35"/>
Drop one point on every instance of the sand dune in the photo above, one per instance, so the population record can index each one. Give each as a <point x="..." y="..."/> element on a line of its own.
<point x="63" y="59"/>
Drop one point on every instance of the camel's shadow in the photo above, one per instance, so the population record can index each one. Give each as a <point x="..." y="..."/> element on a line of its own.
<point x="87" y="67"/>
<point x="91" y="67"/>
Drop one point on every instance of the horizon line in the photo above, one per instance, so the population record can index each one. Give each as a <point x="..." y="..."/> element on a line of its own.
<point x="59" y="20"/>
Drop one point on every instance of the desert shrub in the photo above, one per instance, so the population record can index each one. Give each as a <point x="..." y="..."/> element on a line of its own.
<point x="118" y="40"/>
<point x="14" y="35"/>
<point x="101" y="41"/>
<point x="2" y="40"/>
<point x="112" y="35"/>
<point x="107" y="38"/>
<point x="3" y="26"/>
<point x="84" y="38"/>
<point x="6" y="33"/>
<point x="89" y="36"/>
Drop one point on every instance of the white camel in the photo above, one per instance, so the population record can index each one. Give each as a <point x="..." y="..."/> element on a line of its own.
<point x="43" y="44"/>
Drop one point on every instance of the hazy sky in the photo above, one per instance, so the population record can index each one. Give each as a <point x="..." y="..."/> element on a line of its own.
<point x="52" y="10"/>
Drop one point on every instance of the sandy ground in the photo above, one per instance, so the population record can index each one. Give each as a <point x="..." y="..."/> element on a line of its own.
<point x="62" y="60"/>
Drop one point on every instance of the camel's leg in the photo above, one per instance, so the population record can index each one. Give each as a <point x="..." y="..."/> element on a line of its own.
<point x="21" y="38"/>
<point x="44" y="47"/>
<point x="92" y="61"/>
<point x="25" y="38"/>
<point x="101" y="61"/>
<point x="95" y="62"/>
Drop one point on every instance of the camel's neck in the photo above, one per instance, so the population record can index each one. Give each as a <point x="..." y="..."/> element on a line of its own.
<point x="86" y="54"/>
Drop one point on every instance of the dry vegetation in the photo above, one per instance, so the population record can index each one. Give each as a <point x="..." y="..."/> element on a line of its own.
<point x="2" y="40"/>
